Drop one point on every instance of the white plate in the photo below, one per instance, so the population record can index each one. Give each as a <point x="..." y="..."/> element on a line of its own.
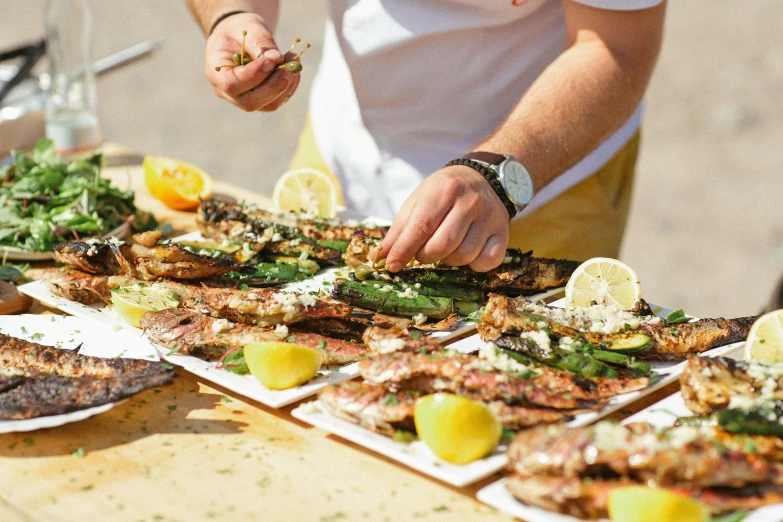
<point x="662" y="414"/>
<point x="20" y="254"/>
<point x="415" y="455"/>
<point x="69" y="333"/>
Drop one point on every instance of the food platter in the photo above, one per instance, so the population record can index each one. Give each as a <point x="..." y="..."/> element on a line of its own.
<point x="419" y="458"/>
<point x="662" y="414"/>
<point x="72" y="333"/>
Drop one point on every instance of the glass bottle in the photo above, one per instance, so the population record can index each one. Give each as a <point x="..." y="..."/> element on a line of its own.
<point x="71" y="101"/>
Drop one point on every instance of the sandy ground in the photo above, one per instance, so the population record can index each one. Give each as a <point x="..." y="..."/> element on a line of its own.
<point x="706" y="230"/>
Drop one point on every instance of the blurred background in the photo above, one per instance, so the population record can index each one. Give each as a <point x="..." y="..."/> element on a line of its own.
<point x="706" y="228"/>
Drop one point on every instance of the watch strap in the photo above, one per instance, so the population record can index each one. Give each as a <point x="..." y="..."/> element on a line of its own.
<point x="487" y="157"/>
<point x="492" y="178"/>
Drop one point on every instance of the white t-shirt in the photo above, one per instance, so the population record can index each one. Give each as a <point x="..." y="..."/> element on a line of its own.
<point x="405" y="86"/>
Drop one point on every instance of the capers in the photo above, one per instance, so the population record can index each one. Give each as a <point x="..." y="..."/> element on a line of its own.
<point x="238" y="58"/>
<point x="362" y="272"/>
<point x="294" y="66"/>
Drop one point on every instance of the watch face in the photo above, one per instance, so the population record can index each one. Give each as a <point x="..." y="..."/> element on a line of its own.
<point x="517" y="182"/>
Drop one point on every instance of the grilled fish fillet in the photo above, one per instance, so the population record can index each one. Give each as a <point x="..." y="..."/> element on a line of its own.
<point x="378" y="409"/>
<point x="509" y="316"/>
<point x="467" y="374"/>
<point x="257" y="306"/>
<point x="684" y="456"/>
<point x="190" y="332"/>
<point x="711" y="384"/>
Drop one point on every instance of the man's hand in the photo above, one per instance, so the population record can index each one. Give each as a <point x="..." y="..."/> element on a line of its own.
<point x="258" y="85"/>
<point x="453" y="216"/>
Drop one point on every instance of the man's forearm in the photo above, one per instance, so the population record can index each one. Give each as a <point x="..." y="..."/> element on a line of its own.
<point x="584" y="96"/>
<point x="207" y="11"/>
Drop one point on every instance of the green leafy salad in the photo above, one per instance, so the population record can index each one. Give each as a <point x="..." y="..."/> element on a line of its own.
<point x="45" y="200"/>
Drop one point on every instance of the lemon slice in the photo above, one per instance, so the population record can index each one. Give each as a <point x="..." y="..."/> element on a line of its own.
<point x="132" y="302"/>
<point x="279" y="365"/>
<point x="644" y="504"/>
<point x="306" y="190"/>
<point x="456" y="429"/>
<point x="177" y="184"/>
<point x="765" y="340"/>
<point x="605" y="281"/>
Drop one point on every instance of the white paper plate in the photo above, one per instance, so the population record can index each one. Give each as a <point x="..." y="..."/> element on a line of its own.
<point x="415" y="455"/>
<point x="68" y="333"/>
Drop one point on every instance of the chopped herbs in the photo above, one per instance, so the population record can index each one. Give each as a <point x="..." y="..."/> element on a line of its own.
<point x="390" y="398"/>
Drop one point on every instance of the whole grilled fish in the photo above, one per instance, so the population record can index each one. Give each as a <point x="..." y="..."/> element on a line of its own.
<point x="145" y="260"/>
<point x="189" y="332"/>
<point x="588" y="499"/>
<point x="712" y="384"/>
<point x="43" y="380"/>
<point x="49" y="395"/>
<point x="682" y="456"/>
<point x="256" y="306"/>
<point x="468" y="374"/>
<point x="31" y="359"/>
<point x="220" y="219"/>
<point x="600" y="324"/>
<point x="283" y="234"/>
<point x="383" y="411"/>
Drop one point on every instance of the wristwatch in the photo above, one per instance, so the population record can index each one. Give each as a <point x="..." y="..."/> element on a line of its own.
<point x="510" y="179"/>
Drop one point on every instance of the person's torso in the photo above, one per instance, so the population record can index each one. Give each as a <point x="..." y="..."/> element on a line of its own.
<point x="406" y="85"/>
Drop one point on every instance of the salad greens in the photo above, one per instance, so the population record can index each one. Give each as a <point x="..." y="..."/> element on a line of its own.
<point x="45" y="200"/>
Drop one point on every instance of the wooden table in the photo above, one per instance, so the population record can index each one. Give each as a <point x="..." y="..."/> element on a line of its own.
<point x="195" y="451"/>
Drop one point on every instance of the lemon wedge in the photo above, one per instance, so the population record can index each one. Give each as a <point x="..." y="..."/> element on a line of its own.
<point x="177" y="184"/>
<point x="132" y="302"/>
<point x="605" y="281"/>
<point x="765" y="339"/>
<point x="644" y="504"/>
<point x="456" y="429"/>
<point x="306" y="190"/>
<point x="279" y="366"/>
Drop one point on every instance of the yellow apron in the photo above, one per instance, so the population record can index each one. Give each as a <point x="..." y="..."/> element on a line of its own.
<point x="588" y="220"/>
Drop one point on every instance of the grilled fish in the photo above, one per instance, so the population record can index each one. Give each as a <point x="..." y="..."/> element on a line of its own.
<point x="43" y="380"/>
<point x="257" y="306"/>
<point x="588" y="499"/>
<point x="711" y="384"/>
<point x="31" y="359"/>
<point x="54" y="395"/>
<point x="683" y="456"/>
<point x="265" y="232"/>
<point x="383" y="411"/>
<point x="470" y="375"/>
<point x="189" y="332"/>
<point x="223" y="220"/>
<point x="601" y="324"/>
<point x="145" y="260"/>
